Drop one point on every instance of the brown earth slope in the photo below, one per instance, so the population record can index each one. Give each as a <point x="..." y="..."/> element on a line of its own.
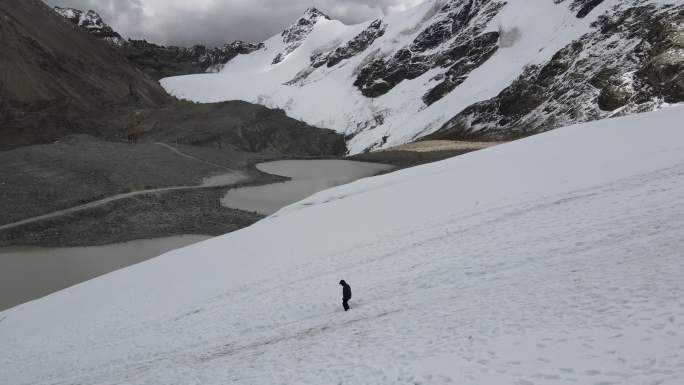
<point x="55" y="79"/>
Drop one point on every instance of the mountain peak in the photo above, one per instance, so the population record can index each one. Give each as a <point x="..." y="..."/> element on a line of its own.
<point x="314" y="13"/>
<point x="295" y="34"/>
<point x="92" y="22"/>
<point x="80" y="18"/>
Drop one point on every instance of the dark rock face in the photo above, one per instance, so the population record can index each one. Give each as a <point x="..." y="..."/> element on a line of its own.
<point x="454" y="40"/>
<point x="156" y="60"/>
<point x="585" y="7"/>
<point x="664" y="71"/>
<point x="631" y="62"/>
<point x="380" y="76"/>
<point x="466" y="58"/>
<point x="358" y="44"/>
<point x="160" y="61"/>
<point x="457" y="15"/>
<point x="582" y="7"/>
<point x="295" y="35"/>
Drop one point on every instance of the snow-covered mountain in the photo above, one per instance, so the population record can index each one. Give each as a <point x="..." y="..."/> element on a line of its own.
<point x="486" y="69"/>
<point x="553" y="259"/>
<point x="161" y="61"/>
<point x="92" y="22"/>
<point x="156" y="60"/>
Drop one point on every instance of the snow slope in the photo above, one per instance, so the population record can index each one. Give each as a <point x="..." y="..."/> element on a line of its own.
<point x="558" y="258"/>
<point x="382" y="90"/>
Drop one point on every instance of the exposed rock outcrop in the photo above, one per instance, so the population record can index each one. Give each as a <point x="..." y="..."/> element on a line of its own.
<point x="455" y="40"/>
<point x="490" y="69"/>
<point x="633" y="61"/>
<point x="353" y="47"/>
<point x="160" y="61"/>
<point x="295" y="34"/>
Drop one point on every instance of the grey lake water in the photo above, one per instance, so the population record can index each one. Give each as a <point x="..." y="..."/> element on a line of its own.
<point x="307" y="178"/>
<point x="28" y="273"/>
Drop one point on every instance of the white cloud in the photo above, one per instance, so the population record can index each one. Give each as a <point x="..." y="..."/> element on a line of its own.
<point x="214" y="22"/>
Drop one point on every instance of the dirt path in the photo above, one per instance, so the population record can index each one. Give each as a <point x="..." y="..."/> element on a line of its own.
<point x="225" y="180"/>
<point x="187" y="156"/>
<point x="104" y="201"/>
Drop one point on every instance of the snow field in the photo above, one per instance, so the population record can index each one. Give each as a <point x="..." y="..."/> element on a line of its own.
<point x="550" y="260"/>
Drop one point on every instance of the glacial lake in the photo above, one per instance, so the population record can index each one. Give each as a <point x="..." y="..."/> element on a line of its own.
<point x="28" y="273"/>
<point x="307" y="178"/>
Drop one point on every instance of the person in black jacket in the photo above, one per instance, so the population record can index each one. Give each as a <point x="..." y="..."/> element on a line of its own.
<point x="346" y="294"/>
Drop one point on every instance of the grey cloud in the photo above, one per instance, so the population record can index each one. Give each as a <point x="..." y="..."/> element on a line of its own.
<point x="216" y="22"/>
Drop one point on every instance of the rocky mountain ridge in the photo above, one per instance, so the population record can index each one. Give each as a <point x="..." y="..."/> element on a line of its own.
<point x="159" y="61"/>
<point x="463" y="69"/>
<point x="631" y="62"/>
<point x="297" y="33"/>
<point x="92" y="22"/>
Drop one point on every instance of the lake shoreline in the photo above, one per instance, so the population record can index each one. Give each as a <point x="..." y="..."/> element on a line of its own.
<point x="73" y="248"/>
<point x="173" y="213"/>
<point x="29" y="273"/>
<point x="305" y="178"/>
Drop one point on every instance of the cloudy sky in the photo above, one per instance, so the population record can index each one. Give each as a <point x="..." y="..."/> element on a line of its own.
<point x="214" y="22"/>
